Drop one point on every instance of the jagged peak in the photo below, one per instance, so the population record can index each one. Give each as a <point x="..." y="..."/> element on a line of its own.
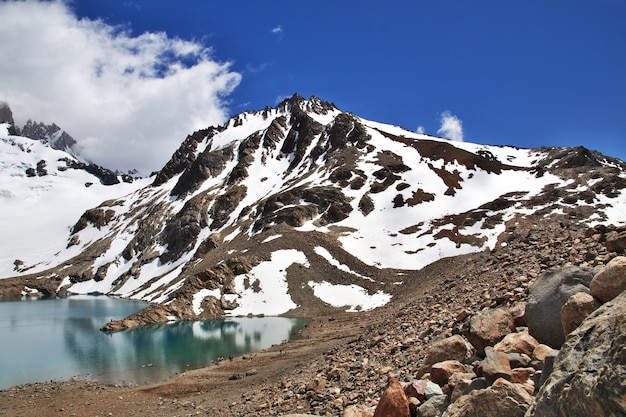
<point x="313" y="104"/>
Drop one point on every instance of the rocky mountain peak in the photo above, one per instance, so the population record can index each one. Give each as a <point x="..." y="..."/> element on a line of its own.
<point x="6" y="116"/>
<point x="328" y="203"/>
<point x="52" y="134"/>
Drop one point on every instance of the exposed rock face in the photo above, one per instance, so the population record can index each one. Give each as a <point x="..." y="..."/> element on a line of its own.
<point x="589" y="373"/>
<point x="52" y="134"/>
<point x="183" y="157"/>
<point x="546" y="297"/>
<point x="610" y="281"/>
<point x="6" y="116"/>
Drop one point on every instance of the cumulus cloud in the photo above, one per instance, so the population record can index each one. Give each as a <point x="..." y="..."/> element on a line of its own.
<point x="451" y="127"/>
<point x="128" y="101"/>
<point x="277" y="29"/>
<point x="421" y="130"/>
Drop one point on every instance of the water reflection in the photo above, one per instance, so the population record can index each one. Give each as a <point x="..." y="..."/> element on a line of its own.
<point x="56" y="339"/>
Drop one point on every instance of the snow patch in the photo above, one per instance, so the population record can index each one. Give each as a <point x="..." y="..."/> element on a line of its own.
<point x="356" y="298"/>
<point x="264" y="289"/>
<point x="199" y="297"/>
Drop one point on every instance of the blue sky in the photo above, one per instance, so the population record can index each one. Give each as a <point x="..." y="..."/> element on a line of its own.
<point x="526" y="73"/>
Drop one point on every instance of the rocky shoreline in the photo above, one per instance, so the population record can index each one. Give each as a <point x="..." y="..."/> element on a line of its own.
<point x="345" y="361"/>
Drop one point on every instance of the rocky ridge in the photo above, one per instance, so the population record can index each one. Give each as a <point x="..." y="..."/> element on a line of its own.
<point x="306" y="178"/>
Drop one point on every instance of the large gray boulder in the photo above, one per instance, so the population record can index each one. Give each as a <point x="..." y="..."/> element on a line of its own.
<point x="546" y="297"/>
<point x="589" y="375"/>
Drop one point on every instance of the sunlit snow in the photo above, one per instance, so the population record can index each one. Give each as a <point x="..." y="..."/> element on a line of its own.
<point x="352" y="296"/>
<point x="264" y="289"/>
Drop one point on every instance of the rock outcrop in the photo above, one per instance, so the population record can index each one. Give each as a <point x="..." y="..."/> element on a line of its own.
<point x="589" y="373"/>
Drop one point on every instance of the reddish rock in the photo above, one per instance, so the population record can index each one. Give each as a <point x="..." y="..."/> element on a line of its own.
<point x="616" y="241"/>
<point x="393" y="402"/>
<point x="576" y="309"/>
<point x="521" y="375"/>
<point x="520" y="342"/>
<point x="495" y="365"/>
<point x="503" y="398"/>
<point x="451" y="348"/>
<point x="414" y="403"/>
<point x="610" y="281"/>
<point x="442" y="371"/>
<point x="540" y="353"/>
<point x="487" y="327"/>
<point x="422" y="389"/>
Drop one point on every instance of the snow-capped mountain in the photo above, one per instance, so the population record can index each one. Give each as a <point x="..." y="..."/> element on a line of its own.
<point x="42" y="193"/>
<point x="294" y="209"/>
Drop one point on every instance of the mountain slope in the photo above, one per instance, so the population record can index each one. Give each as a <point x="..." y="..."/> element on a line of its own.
<point x="303" y="207"/>
<point x="42" y="193"/>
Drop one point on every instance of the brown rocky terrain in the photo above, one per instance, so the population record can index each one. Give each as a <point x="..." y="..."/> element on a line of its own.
<point x="343" y="361"/>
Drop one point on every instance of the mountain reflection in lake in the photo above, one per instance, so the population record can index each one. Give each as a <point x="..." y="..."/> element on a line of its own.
<point x="57" y="339"/>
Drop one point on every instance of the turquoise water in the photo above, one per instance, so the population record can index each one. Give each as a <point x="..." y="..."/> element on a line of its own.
<point x="44" y="340"/>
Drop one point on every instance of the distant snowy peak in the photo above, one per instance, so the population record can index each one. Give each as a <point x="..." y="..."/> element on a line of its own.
<point x="52" y="134"/>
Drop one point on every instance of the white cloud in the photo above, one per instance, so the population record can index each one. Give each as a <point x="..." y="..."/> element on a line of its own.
<point x="128" y="101"/>
<point x="421" y="130"/>
<point x="451" y="127"/>
<point x="277" y="29"/>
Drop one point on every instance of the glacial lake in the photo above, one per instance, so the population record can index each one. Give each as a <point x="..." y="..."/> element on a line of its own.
<point x="56" y="339"/>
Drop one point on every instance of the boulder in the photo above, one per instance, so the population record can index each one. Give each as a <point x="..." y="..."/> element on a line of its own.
<point x="520" y="342"/>
<point x="487" y="327"/>
<point x="434" y="407"/>
<point x="616" y="241"/>
<point x="451" y="348"/>
<point x="495" y="365"/>
<point x="422" y="389"/>
<point x="503" y="398"/>
<point x="463" y="383"/>
<point x="393" y="402"/>
<point x="610" y="281"/>
<point x="540" y="353"/>
<point x="518" y="360"/>
<point x="576" y="309"/>
<point x="442" y="371"/>
<point x="589" y="373"/>
<point x="546" y="297"/>
<point x="521" y="375"/>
